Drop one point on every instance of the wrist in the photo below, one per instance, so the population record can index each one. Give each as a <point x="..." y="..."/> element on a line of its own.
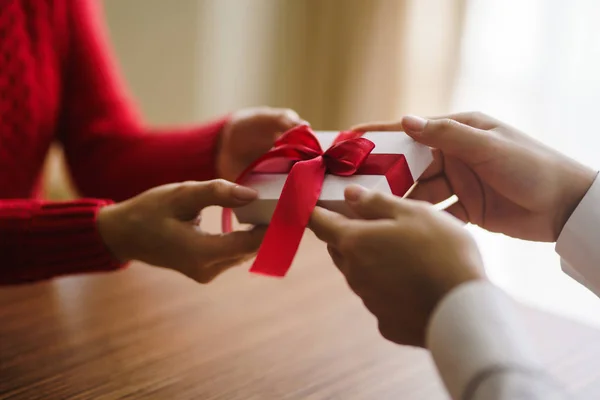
<point x="441" y="292"/>
<point x="111" y="230"/>
<point x="457" y="281"/>
<point x="450" y="289"/>
<point x="445" y="287"/>
<point x="466" y="267"/>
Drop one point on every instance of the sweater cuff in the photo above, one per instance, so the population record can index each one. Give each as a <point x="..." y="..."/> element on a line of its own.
<point x="61" y="238"/>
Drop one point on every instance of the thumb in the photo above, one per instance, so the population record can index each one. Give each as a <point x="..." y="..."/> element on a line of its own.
<point x="369" y="204"/>
<point x="191" y="197"/>
<point x="448" y="135"/>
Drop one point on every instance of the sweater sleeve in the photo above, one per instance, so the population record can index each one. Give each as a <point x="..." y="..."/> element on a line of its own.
<point x="109" y="152"/>
<point x="41" y="240"/>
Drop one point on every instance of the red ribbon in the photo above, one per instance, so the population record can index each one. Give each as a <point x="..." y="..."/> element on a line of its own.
<point x="298" y="153"/>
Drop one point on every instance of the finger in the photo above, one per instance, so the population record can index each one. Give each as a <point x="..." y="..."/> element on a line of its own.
<point x="233" y="244"/>
<point x="221" y="266"/>
<point x="378" y="126"/>
<point x="277" y="120"/>
<point x="207" y="273"/>
<point x="438" y="193"/>
<point x="474" y="119"/>
<point x="432" y="190"/>
<point x="191" y="197"/>
<point x="228" y="263"/>
<point x="370" y="204"/>
<point x="327" y="225"/>
<point x="292" y="116"/>
<point x="458" y="211"/>
<point x="452" y="137"/>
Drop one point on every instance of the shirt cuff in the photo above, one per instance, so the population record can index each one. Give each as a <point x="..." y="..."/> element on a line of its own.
<point x="475" y="329"/>
<point x="578" y="245"/>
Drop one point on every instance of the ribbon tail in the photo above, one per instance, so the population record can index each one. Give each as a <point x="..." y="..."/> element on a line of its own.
<point x="298" y="198"/>
<point x="399" y="177"/>
<point x="226" y="220"/>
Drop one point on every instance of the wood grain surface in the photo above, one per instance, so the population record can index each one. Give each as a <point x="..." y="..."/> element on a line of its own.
<point x="149" y="333"/>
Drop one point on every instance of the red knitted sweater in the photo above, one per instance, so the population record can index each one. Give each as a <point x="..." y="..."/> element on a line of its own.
<point x="58" y="82"/>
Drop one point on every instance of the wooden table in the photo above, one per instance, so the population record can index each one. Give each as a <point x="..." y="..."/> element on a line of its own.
<point x="152" y="334"/>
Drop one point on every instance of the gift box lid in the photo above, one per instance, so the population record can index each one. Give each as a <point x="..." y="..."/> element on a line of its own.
<point x="418" y="158"/>
<point x="269" y="185"/>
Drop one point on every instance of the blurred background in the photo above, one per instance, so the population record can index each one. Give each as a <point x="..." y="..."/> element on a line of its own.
<point x="532" y="63"/>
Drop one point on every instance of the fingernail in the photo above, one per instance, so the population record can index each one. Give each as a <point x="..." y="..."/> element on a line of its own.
<point x="414" y="124"/>
<point x="244" y="193"/>
<point x="304" y="122"/>
<point x="354" y="193"/>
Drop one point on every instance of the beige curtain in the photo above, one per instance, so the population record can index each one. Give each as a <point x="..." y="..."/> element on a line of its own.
<point x="340" y="62"/>
<point x="337" y="62"/>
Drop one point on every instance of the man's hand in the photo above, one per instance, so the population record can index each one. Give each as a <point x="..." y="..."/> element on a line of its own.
<point x="402" y="258"/>
<point x="248" y="134"/>
<point x="505" y="180"/>
<point x="160" y="227"/>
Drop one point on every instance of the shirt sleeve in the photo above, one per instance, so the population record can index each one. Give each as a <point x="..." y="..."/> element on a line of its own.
<point x="42" y="240"/>
<point x="578" y="244"/>
<point x="110" y="153"/>
<point x="481" y="349"/>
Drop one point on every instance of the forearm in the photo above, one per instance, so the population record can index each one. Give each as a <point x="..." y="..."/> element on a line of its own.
<point x="41" y="240"/>
<point x="119" y="165"/>
<point x="481" y="349"/>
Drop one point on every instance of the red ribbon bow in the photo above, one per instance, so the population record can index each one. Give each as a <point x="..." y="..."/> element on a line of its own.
<point x="299" y="152"/>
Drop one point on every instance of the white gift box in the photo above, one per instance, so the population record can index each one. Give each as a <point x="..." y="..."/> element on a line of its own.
<point x="269" y="185"/>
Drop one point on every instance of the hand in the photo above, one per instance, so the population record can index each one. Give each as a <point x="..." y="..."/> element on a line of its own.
<point x="402" y="259"/>
<point x="505" y="180"/>
<point x="248" y="134"/>
<point x="160" y="227"/>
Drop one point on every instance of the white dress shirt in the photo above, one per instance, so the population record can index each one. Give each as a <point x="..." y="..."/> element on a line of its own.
<point x="476" y="339"/>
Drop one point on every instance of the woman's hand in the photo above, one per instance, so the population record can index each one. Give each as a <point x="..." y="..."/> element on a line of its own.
<point x="248" y="134"/>
<point x="402" y="258"/>
<point x="160" y="227"/>
<point x="505" y="180"/>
